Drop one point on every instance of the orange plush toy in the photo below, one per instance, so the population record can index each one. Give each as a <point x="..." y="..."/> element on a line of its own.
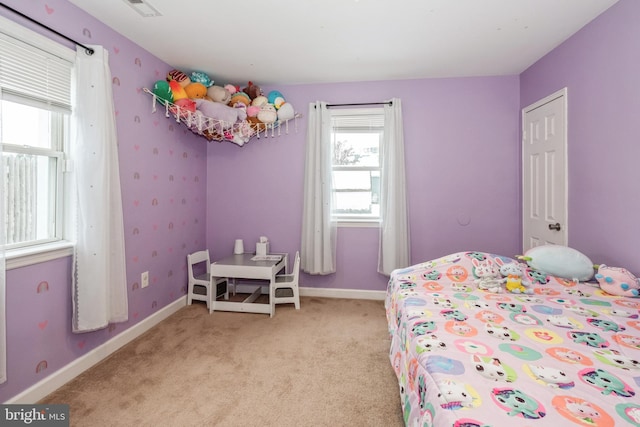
<point x="196" y="90"/>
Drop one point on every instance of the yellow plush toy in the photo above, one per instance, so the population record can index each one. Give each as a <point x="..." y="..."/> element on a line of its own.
<point x="513" y="279"/>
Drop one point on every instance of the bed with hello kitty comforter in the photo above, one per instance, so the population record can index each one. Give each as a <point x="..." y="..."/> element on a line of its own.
<point x="559" y="353"/>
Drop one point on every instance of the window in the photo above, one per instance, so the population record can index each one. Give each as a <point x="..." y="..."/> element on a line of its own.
<point x="32" y="156"/>
<point x="356" y="139"/>
<point x="35" y="105"/>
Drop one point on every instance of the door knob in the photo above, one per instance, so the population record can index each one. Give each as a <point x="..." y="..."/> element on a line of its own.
<point x="555" y="226"/>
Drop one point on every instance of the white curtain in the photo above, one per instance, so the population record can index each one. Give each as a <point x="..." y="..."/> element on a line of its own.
<point x="3" y="317"/>
<point x="318" y="247"/>
<point x="394" y="251"/>
<point x="99" y="276"/>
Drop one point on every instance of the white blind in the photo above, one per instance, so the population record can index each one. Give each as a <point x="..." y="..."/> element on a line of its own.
<point x="361" y="118"/>
<point x="35" y="77"/>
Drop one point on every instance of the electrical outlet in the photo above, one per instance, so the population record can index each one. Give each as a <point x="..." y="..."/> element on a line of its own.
<point x="144" y="278"/>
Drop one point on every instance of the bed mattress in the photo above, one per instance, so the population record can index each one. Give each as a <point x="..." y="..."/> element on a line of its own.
<point x="561" y="353"/>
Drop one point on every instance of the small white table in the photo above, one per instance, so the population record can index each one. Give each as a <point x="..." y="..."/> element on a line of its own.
<point x="243" y="267"/>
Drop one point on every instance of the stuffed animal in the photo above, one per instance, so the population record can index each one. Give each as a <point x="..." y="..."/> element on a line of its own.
<point x="259" y="101"/>
<point x="240" y="97"/>
<point x="488" y="275"/>
<point x="162" y="90"/>
<point x="267" y="114"/>
<point x="276" y="99"/>
<point x="178" y="76"/>
<point x="224" y="115"/>
<point x="196" y="90"/>
<point x="231" y="88"/>
<point x="177" y="90"/>
<point x="513" y="279"/>
<point x="560" y="261"/>
<point x="618" y="281"/>
<point x="253" y="110"/>
<point x="252" y="90"/>
<point x="218" y="94"/>
<point x="185" y="105"/>
<point x="286" y="112"/>
<point x="200" y="77"/>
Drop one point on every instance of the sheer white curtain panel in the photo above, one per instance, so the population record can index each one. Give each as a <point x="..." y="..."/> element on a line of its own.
<point x="3" y="307"/>
<point x="99" y="275"/>
<point x="394" y="251"/>
<point x="318" y="246"/>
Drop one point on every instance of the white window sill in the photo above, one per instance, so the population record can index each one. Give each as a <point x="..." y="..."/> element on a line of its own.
<point x="23" y="257"/>
<point x="364" y="224"/>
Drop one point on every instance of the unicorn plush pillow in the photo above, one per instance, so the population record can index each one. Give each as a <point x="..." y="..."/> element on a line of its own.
<point x="561" y="261"/>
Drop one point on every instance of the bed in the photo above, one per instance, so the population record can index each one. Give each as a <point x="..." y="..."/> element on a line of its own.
<point x="558" y="353"/>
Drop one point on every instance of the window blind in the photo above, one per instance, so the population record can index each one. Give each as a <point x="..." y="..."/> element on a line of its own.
<point x="33" y="76"/>
<point x="364" y="118"/>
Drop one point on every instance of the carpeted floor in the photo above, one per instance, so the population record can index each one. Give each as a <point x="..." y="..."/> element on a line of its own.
<point x="324" y="365"/>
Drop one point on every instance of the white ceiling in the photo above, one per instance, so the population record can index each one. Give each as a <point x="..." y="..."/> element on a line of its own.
<point x="316" y="41"/>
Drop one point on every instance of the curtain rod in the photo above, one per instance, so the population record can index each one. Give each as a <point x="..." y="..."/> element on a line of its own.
<point x="361" y="103"/>
<point x="87" y="49"/>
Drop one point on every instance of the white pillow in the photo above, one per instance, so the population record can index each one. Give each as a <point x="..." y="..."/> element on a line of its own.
<point x="560" y="261"/>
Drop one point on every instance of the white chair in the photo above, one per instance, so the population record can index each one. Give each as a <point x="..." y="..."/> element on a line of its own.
<point x="285" y="289"/>
<point x="201" y="281"/>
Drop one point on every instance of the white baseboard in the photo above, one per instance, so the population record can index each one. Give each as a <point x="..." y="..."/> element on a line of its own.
<point x="65" y="374"/>
<point x="342" y="293"/>
<point x="245" y="288"/>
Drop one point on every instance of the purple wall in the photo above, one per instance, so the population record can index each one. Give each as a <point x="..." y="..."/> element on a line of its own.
<point x="600" y="67"/>
<point x="163" y="175"/>
<point x="462" y="161"/>
<point x="462" y="148"/>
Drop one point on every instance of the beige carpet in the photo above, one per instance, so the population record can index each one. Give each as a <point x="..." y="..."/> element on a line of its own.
<point x="324" y="365"/>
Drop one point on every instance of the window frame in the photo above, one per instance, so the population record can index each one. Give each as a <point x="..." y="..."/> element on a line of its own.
<point x="60" y="246"/>
<point x="357" y="220"/>
<point x="55" y="206"/>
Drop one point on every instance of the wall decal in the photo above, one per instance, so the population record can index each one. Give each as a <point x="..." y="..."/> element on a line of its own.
<point x="42" y="365"/>
<point x="49" y="10"/>
<point x="42" y="287"/>
<point x="86" y="32"/>
<point x="116" y="81"/>
<point x="43" y="325"/>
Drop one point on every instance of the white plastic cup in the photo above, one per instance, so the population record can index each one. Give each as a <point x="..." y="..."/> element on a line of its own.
<point x="238" y="248"/>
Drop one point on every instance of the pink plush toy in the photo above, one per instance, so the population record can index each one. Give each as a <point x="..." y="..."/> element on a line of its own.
<point x="618" y="281"/>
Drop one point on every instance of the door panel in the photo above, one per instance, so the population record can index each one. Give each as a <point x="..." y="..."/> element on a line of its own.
<point x="544" y="172"/>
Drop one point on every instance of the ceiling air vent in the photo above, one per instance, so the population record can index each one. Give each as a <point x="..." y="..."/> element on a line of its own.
<point x="143" y="8"/>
